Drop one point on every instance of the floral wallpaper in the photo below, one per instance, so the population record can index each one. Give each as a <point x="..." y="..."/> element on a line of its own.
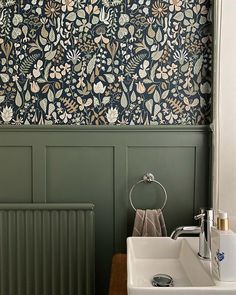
<point x="105" y="62"/>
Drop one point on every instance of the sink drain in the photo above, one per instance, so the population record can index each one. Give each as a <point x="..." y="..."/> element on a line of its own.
<point x="162" y="280"/>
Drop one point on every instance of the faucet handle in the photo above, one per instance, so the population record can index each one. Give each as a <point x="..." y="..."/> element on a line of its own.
<point x="205" y="214"/>
<point x="199" y="216"/>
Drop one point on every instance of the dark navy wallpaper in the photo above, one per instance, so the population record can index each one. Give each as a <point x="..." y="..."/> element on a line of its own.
<point x="105" y="62"/>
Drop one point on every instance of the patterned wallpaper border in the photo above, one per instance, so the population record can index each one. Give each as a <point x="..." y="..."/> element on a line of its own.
<point x="103" y="62"/>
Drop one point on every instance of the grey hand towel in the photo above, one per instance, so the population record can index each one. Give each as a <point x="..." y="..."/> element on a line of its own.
<point x="149" y="223"/>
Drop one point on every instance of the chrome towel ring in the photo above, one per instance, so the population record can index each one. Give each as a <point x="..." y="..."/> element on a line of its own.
<point x="147" y="178"/>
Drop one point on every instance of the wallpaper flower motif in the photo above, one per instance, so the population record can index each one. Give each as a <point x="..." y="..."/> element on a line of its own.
<point x="105" y="62"/>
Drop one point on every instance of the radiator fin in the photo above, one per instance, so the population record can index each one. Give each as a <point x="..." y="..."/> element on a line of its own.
<point x="46" y="250"/>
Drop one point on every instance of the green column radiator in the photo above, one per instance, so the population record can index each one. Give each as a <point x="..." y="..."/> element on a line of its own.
<point x="46" y="249"/>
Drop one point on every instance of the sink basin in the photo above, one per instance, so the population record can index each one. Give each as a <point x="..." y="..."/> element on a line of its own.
<point x="148" y="256"/>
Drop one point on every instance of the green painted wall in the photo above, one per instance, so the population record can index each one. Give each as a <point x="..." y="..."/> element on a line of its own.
<point x="99" y="165"/>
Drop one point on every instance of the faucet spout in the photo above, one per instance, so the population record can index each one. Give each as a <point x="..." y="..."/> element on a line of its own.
<point x="185" y="230"/>
<point x="204" y="232"/>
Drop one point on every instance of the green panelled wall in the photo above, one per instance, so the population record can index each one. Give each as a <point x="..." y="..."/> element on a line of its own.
<point x="99" y="165"/>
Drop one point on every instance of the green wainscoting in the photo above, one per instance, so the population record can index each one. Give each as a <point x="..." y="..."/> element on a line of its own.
<point x="99" y="165"/>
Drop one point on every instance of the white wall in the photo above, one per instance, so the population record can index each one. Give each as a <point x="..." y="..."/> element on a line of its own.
<point x="227" y="111"/>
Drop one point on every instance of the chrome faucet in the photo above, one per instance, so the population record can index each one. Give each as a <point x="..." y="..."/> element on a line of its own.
<point x="204" y="231"/>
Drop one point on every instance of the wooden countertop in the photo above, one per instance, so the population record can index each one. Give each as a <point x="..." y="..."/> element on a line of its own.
<point x="118" y="278"/>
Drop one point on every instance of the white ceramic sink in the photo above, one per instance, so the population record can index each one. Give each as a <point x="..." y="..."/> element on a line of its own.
<point x="148" y="256"/>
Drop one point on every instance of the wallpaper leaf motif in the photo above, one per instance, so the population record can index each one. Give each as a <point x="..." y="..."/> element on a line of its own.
<point x="105" y="62"/>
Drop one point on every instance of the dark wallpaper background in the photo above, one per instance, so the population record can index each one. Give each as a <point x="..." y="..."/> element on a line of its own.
<point x="105" y="62"/>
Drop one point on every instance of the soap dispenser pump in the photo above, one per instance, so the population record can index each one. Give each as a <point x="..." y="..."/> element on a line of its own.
<point x="222" y="221"/>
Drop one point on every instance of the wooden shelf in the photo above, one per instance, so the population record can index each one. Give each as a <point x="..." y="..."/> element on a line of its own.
<point x="118" y="278"/>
